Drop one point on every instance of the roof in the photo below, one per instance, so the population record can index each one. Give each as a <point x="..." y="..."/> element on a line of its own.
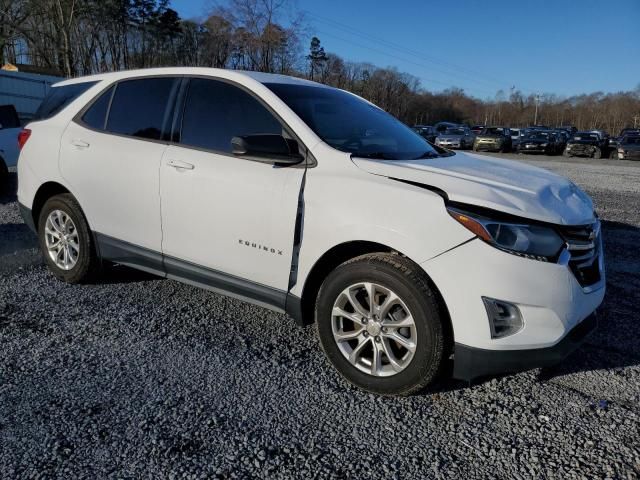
<point x="260" y="77"/>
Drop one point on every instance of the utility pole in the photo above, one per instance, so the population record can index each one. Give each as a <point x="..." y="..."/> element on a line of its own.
<point x="535" y="118"/>
<point x="636" y="120"/>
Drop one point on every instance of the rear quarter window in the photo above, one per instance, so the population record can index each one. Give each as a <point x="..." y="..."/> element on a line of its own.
<point x="59" y="97"/>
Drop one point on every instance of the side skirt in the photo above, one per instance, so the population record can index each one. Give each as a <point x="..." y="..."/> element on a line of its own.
<point x="125" y="253"/>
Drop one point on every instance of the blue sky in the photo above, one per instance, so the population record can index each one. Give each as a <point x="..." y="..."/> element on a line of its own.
<point x="557" y="46"/>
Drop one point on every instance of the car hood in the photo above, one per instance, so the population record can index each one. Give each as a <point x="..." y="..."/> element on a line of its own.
<point x="450" y="137"/>
<point x="508" y="186"/>
<point x="491" y="136"/>
<point x="536" y="141"/>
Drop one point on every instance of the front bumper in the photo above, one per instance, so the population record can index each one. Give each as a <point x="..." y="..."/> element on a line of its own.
<point x="488" y="146"/>
<point x="550" y="298"/>
<point x="470" y="363"/>
<point x="532" y="149"/>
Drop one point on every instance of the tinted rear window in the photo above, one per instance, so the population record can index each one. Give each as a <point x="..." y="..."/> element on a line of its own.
<point x="139" y="107"/>
<point x="60" y="97"/>
<point x="96" y="115"/>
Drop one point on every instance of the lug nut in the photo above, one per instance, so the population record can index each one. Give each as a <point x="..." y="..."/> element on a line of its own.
<point x="378" y="339"/>
<point x="385" y="329"/>
<point x="365" y="320"/>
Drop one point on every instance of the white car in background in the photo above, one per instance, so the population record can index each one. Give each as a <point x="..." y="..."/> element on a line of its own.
<point x="312" y="201"/>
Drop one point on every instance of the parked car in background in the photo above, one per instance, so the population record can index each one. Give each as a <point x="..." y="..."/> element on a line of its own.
<point x="456" y="137"/>
<point x="493" y="139"/>
<point x="587" y="144"/>
<point x="563" y="138"/>
<point x="540" y="141"/>
<point x="614" y="141"/>
<point x="477" y="263"/>
<point x="427" y="132"/>
<point x="570" y="129"/>
<point x="515" y="136"/>
<point x="441" y="127"/>
<point x="9" y="129"/>
<point x="476" y="129"/>
<point x="629" y="147"/>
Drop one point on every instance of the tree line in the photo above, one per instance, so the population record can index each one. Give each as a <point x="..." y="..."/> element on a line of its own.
<point x="81" y="37"/>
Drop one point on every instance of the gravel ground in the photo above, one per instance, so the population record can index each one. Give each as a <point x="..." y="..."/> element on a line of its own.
<point x="138" y="377"/>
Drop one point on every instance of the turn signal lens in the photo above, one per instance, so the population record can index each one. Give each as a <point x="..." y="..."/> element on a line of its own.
<point x="23" y="136"/>
<point x="472" y="225"/>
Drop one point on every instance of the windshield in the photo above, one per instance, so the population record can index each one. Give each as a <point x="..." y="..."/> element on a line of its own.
<point x="631" y="140"/>
<point x="493" y="131"/>
<point x="454" y="131"/>
<point x="350" y="124"/>
<point x="585" y="136"/>
<point x="538" y="136"/>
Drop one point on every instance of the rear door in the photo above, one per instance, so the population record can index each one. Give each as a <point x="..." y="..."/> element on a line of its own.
<point x="227" y="221"/>
<point x="110" y="155"/>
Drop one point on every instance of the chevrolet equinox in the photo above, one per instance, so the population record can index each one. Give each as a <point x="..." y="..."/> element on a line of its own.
<point x="312" y="201"/>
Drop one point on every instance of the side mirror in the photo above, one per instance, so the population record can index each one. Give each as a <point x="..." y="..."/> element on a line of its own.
<point x="268" y="148"/>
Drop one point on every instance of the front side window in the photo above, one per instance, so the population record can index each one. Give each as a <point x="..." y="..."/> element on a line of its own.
<point x="60" y="97"/>
<point x="350" y="124"/>
<point x="216" y="111"/>
<point x="139" y="107"/>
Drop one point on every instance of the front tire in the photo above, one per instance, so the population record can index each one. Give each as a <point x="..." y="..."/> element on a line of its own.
<point x="66" y="241"/>
<point x="597" y="153"/>
<point x="380" y="324"/>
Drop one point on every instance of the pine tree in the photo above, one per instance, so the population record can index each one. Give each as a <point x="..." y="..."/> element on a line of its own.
<point x="317" y="56"/>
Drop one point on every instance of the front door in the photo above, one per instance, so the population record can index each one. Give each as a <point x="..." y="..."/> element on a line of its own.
<point x="227" y="221"/>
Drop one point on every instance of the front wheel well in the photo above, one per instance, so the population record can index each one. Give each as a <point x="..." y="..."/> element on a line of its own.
<point x="344" y="252"/>
<point x="44" y="193"/>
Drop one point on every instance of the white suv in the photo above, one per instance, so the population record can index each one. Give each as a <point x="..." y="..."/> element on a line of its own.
<point x="312" y="201"/>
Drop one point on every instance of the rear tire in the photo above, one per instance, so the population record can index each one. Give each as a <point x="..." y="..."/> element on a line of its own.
<point x="597" y="153"/>
<point x="66" y="241"/>
<point x="613" y="155"/>
<point x="399" y="369"/>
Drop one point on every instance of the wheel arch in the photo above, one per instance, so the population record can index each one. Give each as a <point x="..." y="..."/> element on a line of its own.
<point x="304" y="311"/>
<point x="44" y="193"/>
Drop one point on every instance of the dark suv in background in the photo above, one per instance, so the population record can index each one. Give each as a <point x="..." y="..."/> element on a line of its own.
<point x="493" y="139"/>
<point x="540" y="141"/>
<point x="587" y="144"/>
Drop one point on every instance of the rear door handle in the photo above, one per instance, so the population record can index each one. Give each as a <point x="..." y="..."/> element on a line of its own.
<point x="79" y="143"/>
<point x="180" y="165"/>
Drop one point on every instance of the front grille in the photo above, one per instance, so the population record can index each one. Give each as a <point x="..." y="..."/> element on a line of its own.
<point x="583" y="244"/>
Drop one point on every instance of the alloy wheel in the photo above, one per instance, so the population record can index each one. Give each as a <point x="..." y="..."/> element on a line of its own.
<point x="62" y="240"/>
<point x="374" y="329"/>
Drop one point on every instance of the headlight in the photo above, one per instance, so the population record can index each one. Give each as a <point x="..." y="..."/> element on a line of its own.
<point x="531" y="241"/>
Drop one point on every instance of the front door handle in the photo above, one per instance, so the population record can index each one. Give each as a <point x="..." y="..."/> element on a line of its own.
<point x="180" y="165"/>
<point x="79" y="143"/>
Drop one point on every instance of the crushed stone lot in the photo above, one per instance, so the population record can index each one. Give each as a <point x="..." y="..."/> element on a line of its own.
<point x="140" y="377"/>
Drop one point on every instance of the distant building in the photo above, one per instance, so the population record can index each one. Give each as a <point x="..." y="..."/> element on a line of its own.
<point x="24" y="90"/>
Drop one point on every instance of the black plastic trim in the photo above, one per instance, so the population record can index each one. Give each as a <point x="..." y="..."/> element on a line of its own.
<point x="27" y="217"/>
<point x="124" y="253"/>
<point x="226" y="284"/>
<point x="470" y="363"/>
